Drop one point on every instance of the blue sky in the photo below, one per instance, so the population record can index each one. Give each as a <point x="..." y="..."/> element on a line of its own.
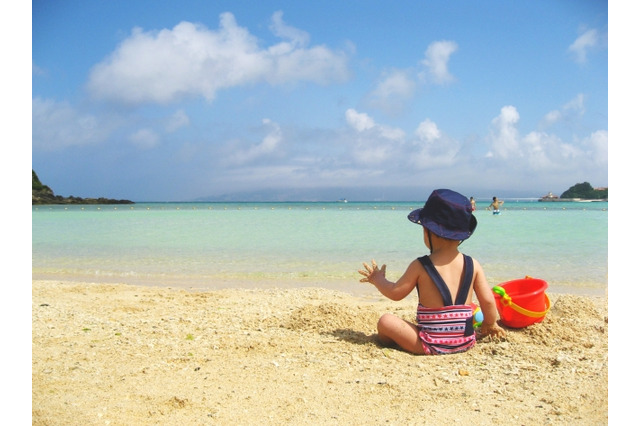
<point x="368" y="100"/>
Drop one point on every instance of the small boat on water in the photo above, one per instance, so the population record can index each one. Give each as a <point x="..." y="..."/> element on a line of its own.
<point x="550" y="197"/>
<point x="342" y="200"/>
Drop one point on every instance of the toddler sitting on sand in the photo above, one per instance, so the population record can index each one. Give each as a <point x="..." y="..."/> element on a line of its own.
<point x="444" y="325"/>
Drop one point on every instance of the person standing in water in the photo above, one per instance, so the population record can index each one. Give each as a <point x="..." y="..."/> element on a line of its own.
<point x="496" y="204"/>
<point x="473" y="204"/>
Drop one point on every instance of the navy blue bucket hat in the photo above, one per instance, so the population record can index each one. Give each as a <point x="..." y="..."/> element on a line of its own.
<point x="447" y="214"/>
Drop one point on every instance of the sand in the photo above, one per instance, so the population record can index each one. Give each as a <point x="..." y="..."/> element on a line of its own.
<point x="105" y="354"/>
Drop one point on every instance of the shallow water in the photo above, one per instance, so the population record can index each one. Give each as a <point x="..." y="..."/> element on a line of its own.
<point x="214" y="245"/>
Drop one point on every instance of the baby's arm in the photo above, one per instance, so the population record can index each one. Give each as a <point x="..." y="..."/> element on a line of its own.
<point x="487" y="304"/>
<point x="394" y="291"/>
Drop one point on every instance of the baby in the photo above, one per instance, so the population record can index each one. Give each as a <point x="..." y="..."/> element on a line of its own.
<point x="444" y="325"/>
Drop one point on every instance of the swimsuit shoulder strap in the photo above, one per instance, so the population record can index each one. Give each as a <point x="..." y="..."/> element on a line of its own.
<point x="467" y="280"/>
<point x="437" y="279"/>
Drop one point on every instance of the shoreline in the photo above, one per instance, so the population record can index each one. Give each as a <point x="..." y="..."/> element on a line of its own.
<point x="131" y="354"/>
<point x="351" y="286"/>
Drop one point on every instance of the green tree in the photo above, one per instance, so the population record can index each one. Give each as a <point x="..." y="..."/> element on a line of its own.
<point x="585" y="190"/>
<point x="36" y="184"/>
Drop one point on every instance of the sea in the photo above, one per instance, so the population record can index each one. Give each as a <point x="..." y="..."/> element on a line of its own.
<point x="207" y="245"/>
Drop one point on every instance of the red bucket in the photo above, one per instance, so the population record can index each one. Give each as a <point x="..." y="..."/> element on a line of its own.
<point x="522" y="302"/>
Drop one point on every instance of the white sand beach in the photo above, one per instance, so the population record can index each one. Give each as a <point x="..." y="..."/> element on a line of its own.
<point x="121" y="355"/>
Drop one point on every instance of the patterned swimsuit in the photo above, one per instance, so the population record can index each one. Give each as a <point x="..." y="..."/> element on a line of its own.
<point x="449" y="329"/>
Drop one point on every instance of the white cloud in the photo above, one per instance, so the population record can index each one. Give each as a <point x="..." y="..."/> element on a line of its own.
<point x="391" y="133"/>
<point x="525" y="160"/>
<point x="177" y="120"/>
<point x="190" y="60"/>
<point x="581" y="46"/>
<point x="393" y="91"/>
<point x="268" y="145"/>
<point x="144" y="138"/>
<point x="548" y="153"/>
<point x="359" y="121"/>
<point x="428" y="131"/>
<point x="597" y="146"/>
<point x="575" y="104"/>
<point x="371" y="153"/>
<point x="282" y="30"/>
<point x="432" y="148"/>
<point x="504" y="137"/>
<point x="272" y="140"/>
<point x="545" y="152"/>
<point x="538" y="146"/>
<point x="437" y="60"/>
<point x="373" y="143"/>
<point x="552" y="117"/>
<point x="58" y="125"/>
<point x="573" y="109"/>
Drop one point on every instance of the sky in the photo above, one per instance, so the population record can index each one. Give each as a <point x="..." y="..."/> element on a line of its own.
<point x="289" y="100"/>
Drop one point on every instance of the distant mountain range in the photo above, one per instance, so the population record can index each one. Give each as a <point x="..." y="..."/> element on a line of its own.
<point x="328" y="194"/>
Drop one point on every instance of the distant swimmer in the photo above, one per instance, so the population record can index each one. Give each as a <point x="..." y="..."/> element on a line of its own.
<point x="496" y="204"/>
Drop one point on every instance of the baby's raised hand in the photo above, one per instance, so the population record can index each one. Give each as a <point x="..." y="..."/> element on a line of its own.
<point x="371" y="273"/>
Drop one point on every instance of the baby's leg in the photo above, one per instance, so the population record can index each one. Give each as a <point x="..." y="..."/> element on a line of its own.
<point x="392" y="329"/>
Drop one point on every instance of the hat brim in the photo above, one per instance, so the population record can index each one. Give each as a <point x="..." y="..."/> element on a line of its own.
<point x="414" y="216"/>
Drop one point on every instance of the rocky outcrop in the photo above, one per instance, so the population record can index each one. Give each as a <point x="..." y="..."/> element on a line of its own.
<point x="42" y="194"/>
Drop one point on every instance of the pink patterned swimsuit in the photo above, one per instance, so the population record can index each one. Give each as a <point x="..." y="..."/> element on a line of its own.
<point x="449" y="329"/>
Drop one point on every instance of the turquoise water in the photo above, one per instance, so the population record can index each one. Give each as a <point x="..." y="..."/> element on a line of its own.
<point x="216" y="245"/>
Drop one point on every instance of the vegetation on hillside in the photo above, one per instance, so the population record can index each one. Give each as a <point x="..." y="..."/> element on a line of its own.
<point x="585" y="191"/>
<point x="42" y="194"/>
<point x="36" y="185"/>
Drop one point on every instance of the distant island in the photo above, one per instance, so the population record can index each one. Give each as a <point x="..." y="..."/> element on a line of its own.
<point x="42" y="194"/>
<point x="581" y="192"/>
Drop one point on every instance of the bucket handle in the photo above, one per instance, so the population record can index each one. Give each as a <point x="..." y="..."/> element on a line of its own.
<point x="506" y="301"/>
